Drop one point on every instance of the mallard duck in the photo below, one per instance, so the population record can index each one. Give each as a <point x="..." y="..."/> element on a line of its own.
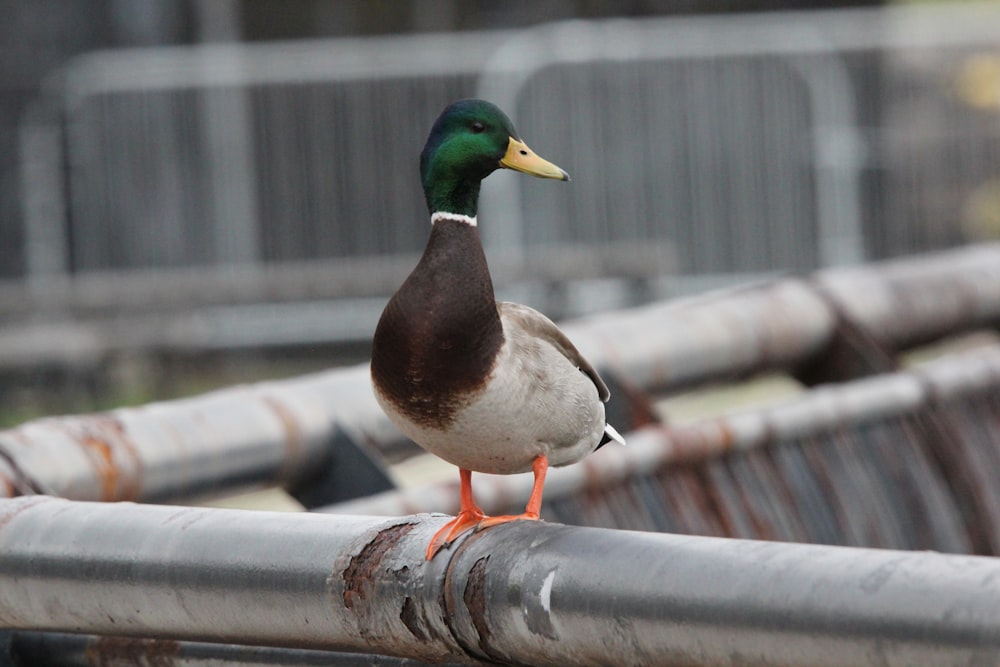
<point x="489" y="386"/>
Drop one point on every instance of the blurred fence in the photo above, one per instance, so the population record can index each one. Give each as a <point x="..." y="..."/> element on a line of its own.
<point x="746" y="144"/>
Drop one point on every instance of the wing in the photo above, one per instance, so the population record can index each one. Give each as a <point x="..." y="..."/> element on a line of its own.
<point x="536" y="324"/>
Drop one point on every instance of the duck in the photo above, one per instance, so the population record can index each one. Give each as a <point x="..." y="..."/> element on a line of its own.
<point x="489" y="386"/>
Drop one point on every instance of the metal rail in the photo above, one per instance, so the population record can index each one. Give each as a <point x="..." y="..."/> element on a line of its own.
<point x="115" y="293"/>
<point x="917" y="299"/>
<point x="277" y="432"/>
<point x="702" y="66"/>
<point x="809" y="415"/>
<point x="79" y="322"/>
<point x="792" y="51"/>
<point x="528" y="593"/>
<point x="784" y="323"/>
<point x="280" y="431"/>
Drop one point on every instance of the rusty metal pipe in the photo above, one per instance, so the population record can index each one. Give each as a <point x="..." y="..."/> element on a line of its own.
<point x="530" y="593"/>
<point x="276" y="432"/>
<point x="271" y="432"/>
<point x="299" y="580"/>
<point x="976" y="371"/>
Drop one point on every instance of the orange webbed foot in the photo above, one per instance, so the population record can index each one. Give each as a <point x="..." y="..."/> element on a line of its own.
<point x="506" y="518"/>
<point x="470" y="516"/>
<point x="465" y="520"/>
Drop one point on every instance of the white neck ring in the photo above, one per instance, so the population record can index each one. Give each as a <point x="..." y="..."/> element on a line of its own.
<point x="457" y="217"/>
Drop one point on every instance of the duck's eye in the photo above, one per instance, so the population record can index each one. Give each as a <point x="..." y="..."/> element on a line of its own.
<point x="477" y="127"/>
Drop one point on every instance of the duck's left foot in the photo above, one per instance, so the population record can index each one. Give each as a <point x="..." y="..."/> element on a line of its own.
<point x="466" y="520"/>
<point x="506" y="518"/>
<point x="471" y="516"/>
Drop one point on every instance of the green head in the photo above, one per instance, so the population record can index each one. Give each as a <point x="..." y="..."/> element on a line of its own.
<point x="469" y="141"/>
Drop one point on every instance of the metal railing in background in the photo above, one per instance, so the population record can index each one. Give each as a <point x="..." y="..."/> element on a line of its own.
<point x="524" y="593"/>
<point x="754" y="143"/>
<point x="100" y="314"/>
<point x="230" y="154"/>
<point x="893" y="461"/>
<point x="290" y="433"/>
<point x="710" y="133"/>
<point x="280" y="431"/>
<point x="791" y="140"/>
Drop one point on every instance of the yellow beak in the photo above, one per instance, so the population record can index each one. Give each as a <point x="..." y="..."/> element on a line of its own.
<point x="521" y="158"/>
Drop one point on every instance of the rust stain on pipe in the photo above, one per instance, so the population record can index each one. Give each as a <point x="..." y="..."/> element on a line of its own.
<point x="103" y="459"/>
<point x="727" y="439"/>
<point x="475" y="601"/>
<point x="411" y="619"/>
<point x="290" y="426"/>
<point x="361" y="572"/>
<point x="107" y="445"/>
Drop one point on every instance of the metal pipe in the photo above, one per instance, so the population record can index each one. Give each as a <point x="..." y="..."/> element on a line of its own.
<point x="300" y="580"/>
<point x="527" y="592"/>
<point x="918" y="299"/>
<point x="976" y="371"/>
<point x="725" y="334"/>
<point x="557" y="595"/>
<point x="277" y="432"/>
<point x="785" y="322"/>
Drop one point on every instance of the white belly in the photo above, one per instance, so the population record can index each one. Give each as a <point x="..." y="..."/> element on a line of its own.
<point x="535" y="403"/>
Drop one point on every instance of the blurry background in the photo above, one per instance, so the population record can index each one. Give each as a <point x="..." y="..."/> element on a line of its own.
<point x="194" y="193"/>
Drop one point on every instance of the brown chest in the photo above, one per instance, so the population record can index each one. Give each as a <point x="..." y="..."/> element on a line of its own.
<point x="438" y="338"/>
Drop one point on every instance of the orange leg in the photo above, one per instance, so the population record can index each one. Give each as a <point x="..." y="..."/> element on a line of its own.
<point x="540" y="466"/>
<point x="468" y="517"/>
